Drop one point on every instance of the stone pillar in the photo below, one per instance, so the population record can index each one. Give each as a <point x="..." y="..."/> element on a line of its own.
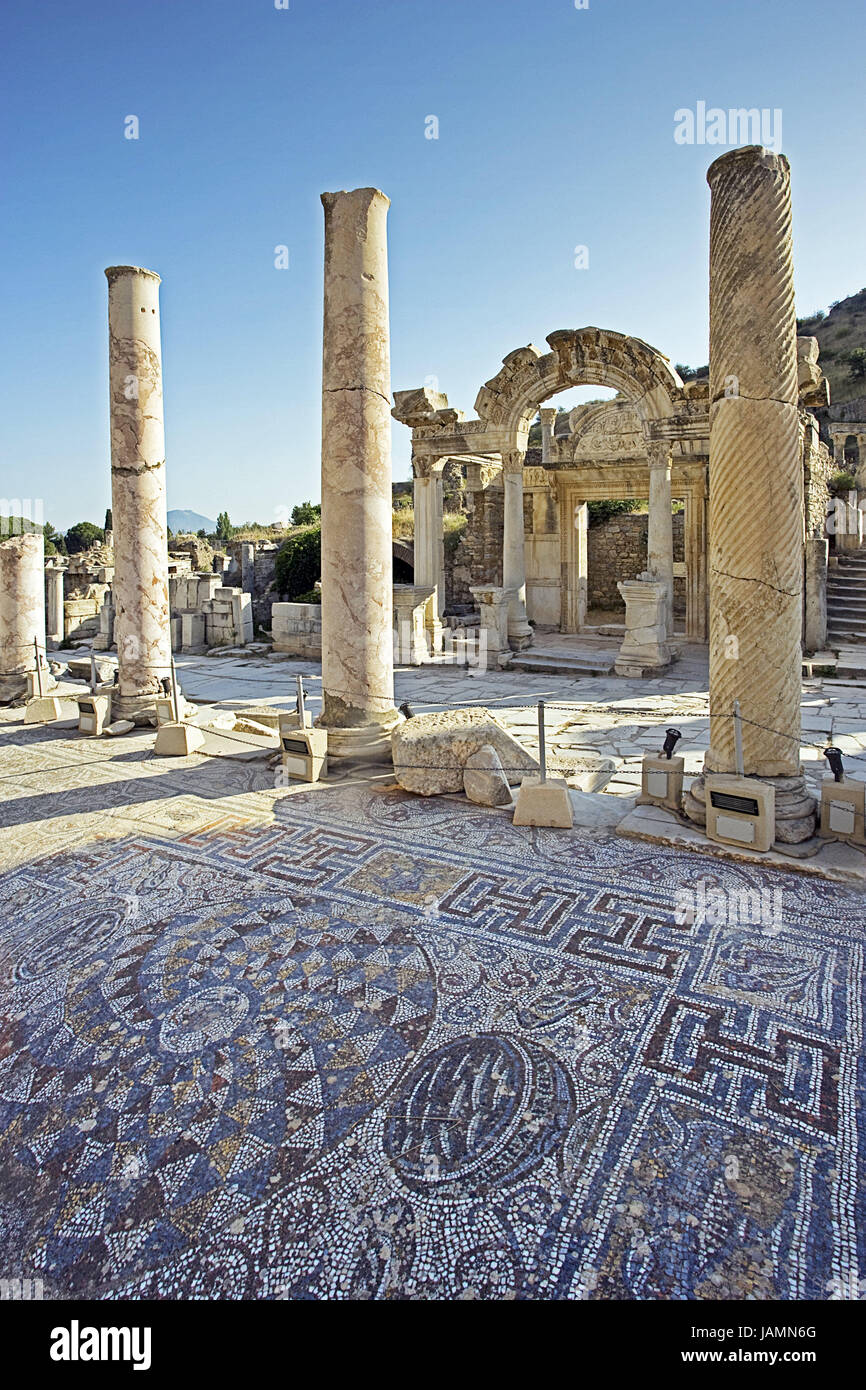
<point x="248" y="567"/>
<point x="429" y="535"/>
<point x="493" y="603"/>
<point x="140" y="589"/>
<point x="548" y="421"/>
<point x="660" y="535"/>
<point x="756" y="486"/>
<point x="861" y="462"/>
<point x="513" y="550"/>
<point x="22" y="610"/>
<point x="815" y="615"/>
<point x="644" y="650"/>
<point x="54" y="575"/>
<point x="357" y="654"/>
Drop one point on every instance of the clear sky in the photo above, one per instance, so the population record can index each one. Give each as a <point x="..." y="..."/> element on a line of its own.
<point x="555" y="130"/>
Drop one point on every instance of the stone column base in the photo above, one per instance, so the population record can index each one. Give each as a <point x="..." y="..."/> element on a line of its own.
<point x="796" y="812"/>
<point x="141" y="709"/>
<point x="368" y="743"/>
<point x="13" y="688"/>
<point x="520" y="636"/>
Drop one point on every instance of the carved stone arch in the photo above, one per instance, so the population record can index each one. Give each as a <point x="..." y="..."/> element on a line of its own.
<point x="579" y="357"/>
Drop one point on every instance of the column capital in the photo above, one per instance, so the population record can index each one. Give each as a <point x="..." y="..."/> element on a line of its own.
<point x="548" y="414"/>
<point x="659" y="452"/>
<point x="513" y="460"/>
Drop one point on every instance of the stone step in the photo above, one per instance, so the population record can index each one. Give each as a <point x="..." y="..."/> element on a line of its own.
<point x="558" y="663"/>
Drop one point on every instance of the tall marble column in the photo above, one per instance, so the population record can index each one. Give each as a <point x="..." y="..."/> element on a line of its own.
<point x="513" y="550"/>
<point x="429" y="534"/>
<point x="140" y="586"/>
<point x="54" y="581"/>
<point x="756" y="485"/>
<point x="357" y="571"/>
<point x="22" y="610"/>
<point x="660" y="534"/>
<point x="548" y="421"/>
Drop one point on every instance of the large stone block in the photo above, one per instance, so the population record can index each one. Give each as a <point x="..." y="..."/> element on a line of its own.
<point x="431" y="751"/>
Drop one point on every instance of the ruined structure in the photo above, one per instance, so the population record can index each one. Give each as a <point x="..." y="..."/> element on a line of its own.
<point x="357" y="658"/>
<point x="22" y="610"/>
<point x="651" y="442"/>
<point x="140" y="591"/>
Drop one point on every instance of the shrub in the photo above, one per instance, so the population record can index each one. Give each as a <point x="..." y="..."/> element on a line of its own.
<point x="842" y="483"/>
<point x="314" y="596"/>
<point x="600" y="512"/>
<point x="299" y="563"/>
<point x="306" y="513"/>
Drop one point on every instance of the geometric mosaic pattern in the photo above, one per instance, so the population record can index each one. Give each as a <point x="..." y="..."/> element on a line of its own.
<point x="392" y="1048"/>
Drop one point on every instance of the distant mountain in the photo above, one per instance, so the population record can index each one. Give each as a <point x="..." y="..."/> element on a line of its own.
<point x="179" y="521"/>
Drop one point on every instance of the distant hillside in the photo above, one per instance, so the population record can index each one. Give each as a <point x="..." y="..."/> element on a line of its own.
<point x="838" y="332"/>
<point x="189" y="521"/>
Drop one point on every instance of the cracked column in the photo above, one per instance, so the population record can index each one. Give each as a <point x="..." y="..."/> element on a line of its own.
<point x="22" y="610"/>
<point x="357" y="571"/>
<point x="140" y="587"/>
<point x="660" y="534"/>
<point x="756" y="486"/>
<point x="513" y="550"/>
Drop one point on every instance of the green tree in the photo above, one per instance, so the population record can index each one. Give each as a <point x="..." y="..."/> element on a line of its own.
<point x="82" y="536"/>
<point x="109" y="520"/>
<point x="856" y="360"/>
<point x="202" y="533"/>
<point x="299" y="563"/>
<point x="224" y="528"/>
<point x="54" y="542"/>
<point x="306" y="514"/>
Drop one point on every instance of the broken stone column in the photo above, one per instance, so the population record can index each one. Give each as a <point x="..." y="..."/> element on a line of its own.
<point x="644" y="650"/>
<point x="756" y="486"/>
<point x="54" y="585"/>
<point x="22" y="610"/>
<point x="357" y="656"/>
<point x="140" y="589"/>
<point x="548" y="421"/>
<point x="513" y="550"/>
<point x="660" y="535"/>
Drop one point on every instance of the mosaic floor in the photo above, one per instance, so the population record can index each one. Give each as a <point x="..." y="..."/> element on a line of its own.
<point x="346" y="1043"/>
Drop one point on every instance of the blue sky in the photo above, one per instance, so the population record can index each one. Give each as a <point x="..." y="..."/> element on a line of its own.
<point x="555" y="130"/>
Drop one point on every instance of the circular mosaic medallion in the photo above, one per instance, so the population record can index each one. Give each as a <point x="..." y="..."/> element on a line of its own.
<point x="478" y="1112"/>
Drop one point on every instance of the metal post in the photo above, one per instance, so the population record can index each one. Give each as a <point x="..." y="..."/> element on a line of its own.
<point x="738" y="739"/>
<point x="542" y="752"/>
<point x="174" y="692"/>
<point x="38" y="667"/>
<point x="302" y="718"/>
<point x="93" y="675"/>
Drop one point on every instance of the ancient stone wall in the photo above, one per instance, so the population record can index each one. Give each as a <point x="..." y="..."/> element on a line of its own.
<point x="617" y="549"/>
<point x="478" y="556"/>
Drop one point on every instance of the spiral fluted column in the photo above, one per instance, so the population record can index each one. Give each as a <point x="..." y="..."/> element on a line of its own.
<point x="756" y="484"/>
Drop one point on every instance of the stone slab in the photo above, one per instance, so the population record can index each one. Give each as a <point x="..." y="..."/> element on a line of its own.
<point x="484" y="782"/>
